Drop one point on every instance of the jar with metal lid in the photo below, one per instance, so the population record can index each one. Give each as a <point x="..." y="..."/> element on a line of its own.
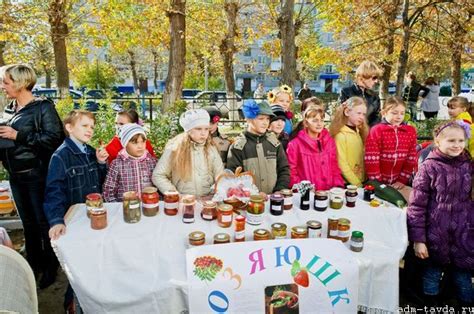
<point x="221" y="238"/>
<point x="276" y="204"/>
<point x="150" y="201"/>
<point x="188" y="202"/>
<point x="332" y="227"/>
<point x="255" y="210"/>
<point x="224" y="215"/>
<point x="344" y="229"/>
<point x="239" y="234"/>
<point x="131" y="207"/>
<point x="369" y="192"/>
<point x="351" y="195"/>
<point x="279" y="230"/>
<point x="209" y="210"/>
<point x="197" y="238"/>
<point x="357" y="241"/>
<point x="98" y="218"/>
<point x="287" y="199"/>
<point x="336" y="198"/>
<point x="261" y="234"/>
<point x="314" y="228"/>
<point x="93" y="201"/>
<point x="299" y="232"/>
<point x="321" y="200"/>
<point x="171" y="202"/>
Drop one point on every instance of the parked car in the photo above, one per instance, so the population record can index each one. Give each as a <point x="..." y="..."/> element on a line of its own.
<point x="215" y="98"/>
<point x="189" y="93"/>
<point x="119" y="101"/>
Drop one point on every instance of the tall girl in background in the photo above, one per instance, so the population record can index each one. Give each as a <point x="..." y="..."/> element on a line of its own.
<point x="459" y="108"/>
<point x="190" y="162"/>
<point x="349" y="129"/>
<point x="312" y="153"/>
<point x="283" y="96"/>
<point x="390" y="148"/>
<point x="440" y="214"/>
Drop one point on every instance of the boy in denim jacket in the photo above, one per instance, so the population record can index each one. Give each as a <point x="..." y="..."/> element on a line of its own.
<point x="76" y="169"/>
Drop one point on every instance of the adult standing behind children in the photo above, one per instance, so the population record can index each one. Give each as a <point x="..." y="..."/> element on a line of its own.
<point x="115" y="146"/>
<point x="412" y="92"/>
<point x="430" y="104"/>
<point x="366" y="76"/>
<point x="34" y="132"/>
<point x="305" y="92"/>
<point x="259" y="151"/>
<point x="190" y="163"/>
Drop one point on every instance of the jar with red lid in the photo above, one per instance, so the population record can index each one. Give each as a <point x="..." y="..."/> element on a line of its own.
<point x="369" y="192"/>
<point x="224" y="215"/>
<point x="171" y="202"/>
<point x="150" y="201"/>
<point x="93" y="201"/>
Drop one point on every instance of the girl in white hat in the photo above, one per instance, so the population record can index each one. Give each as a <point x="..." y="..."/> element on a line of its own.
<point x="190" y="162"/>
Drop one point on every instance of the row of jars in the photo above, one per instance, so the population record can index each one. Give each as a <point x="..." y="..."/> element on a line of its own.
<point x="333" y="198"/>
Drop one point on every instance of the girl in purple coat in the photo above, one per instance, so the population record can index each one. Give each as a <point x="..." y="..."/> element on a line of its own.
<point x="441" y="213"/>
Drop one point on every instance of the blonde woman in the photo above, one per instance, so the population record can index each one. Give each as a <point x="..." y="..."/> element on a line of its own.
<point x="367" y="75"/>
<point x="190" y="162"/>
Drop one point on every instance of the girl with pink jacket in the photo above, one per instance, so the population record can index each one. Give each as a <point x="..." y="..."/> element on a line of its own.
<point x="312" y="153"/>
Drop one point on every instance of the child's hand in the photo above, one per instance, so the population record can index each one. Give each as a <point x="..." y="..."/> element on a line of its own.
<point x="56" y="231"/>
<point x="102" y="155"/>
<point x="421" y="250"/>
<point x="398" y="185"/>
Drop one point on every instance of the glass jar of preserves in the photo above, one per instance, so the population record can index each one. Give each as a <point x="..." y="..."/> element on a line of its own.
<point x="261" y="234"/>
<point x="276" y="204"/>
<point x="197" y="238"/>
<point x="93" y="201"/>
<point x="357" y="241"/>
<point x="304" y="200"/>
<point x="171" y="202"/>
<point x="221" y="238"/>
<point x="332" y="227"/>
<point x="299" y="232"/>
<point x="255" y="210"/>
<point x="287" y="199"/>
<point x="150" y="201"/>
<point x="239" y="234"/>
<point x="369" y="192"/>
<point x="209" y="210"/>
<point x="336" y="198"/>
<point x="188" y="202"/>
<point x="279" y="230"/>
<point x="321" y="200"/>
<point x="351" y="195"/>
<point x="344" y="229"/>
<point x="131" y="207"/>
<point x="98" y="218"/>
<point x="224" y="215"/>
<point x="314" y="228"/>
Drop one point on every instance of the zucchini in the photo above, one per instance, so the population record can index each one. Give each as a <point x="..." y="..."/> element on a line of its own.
<point x="388" y="193"/>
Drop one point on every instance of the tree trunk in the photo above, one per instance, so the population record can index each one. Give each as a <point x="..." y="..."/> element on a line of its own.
<point x="457" y="47"/>
<point x="389" y="45"/>
<point x="288" y="46"/>
<point x="403" y="57"/>
<point x="177" y="58"/>
<point x="2" y="49"/>
<point x="155" y="70"/>
<point x="227" y="50"/>
<point x="59" y="32"/>
<point x="47" y="73"/>
<point x="133" y="68"/>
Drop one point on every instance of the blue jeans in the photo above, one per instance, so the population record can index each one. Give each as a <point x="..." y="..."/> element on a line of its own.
<point x="28" y="193"/>
<point x="461" y="277"/>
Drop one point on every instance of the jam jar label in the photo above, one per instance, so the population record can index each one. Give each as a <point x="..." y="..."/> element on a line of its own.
<point x="226" y="218"/>
<point x="357" y="244"/>
<point x="171" y="205"/>
<point x="240" y="234"/>
<point x="333" y="233"/>
<point x="276" y="208"/>
<point x="305" y="203"/>
<point x="288" y="201"/>
<point x="351" y="199"/>
<point x="321" y="204"/>
<point x="207" y="216"/>
<point x="314" y="233"/>
<point x="134" y="206"/>
<point x="152" y="205"/>
<point x="344" y="234"/>
<point x="254" y="219"/>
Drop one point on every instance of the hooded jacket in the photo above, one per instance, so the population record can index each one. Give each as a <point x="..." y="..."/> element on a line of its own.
<point x="441" y="211"/>
<point x="314" y="160"/>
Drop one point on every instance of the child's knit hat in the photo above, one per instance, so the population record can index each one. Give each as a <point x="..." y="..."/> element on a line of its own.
<point x="279" y="113"/>
<point x="129" y="130"/>
<point x="251" y="109"/>
<point x="194" y="118"/>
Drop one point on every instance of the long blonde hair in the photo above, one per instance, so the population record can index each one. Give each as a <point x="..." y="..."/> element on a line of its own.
<point x="340" y="119"/>
<point x="181" y="159"/>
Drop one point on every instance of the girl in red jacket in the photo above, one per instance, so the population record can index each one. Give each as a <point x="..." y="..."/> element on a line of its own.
<point x="390" y="148"/>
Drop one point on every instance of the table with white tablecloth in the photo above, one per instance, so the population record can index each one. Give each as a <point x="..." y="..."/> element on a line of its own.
<point x="141" y="267"/>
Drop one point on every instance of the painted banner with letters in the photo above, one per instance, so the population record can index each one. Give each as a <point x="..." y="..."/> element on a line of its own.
<point x="272" y="277"/>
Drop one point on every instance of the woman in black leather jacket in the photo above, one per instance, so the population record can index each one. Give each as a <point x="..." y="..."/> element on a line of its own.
<point x="34" y="132"/>
<point x="367" y="75"/>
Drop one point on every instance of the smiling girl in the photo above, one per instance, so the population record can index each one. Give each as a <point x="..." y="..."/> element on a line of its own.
<point x="390" y="148"/>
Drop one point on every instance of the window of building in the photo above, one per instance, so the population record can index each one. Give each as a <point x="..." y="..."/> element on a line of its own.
<point x="248" y="53"/>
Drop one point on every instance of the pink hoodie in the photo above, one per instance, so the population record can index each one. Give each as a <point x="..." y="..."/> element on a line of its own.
<point x="314" y="160"/>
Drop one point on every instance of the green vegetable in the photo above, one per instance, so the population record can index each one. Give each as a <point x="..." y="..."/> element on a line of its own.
<point x="388" y="193"/>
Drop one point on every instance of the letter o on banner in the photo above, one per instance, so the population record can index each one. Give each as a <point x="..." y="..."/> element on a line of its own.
<point x="221" y="298"/>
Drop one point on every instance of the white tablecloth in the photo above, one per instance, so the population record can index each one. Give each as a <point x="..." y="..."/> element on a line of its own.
<point x="141" y="268"/>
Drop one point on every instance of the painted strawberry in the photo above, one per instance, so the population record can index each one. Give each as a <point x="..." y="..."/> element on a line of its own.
<point x="302" y="278"/>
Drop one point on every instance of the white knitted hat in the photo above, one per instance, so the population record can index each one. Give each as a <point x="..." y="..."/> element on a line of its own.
<point x="127" y="131"/>
<point x="194" y="118"/>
